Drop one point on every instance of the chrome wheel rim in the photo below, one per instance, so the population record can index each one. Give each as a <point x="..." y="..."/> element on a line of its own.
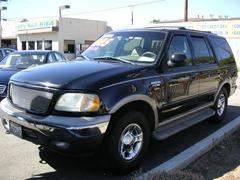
<point x="131" y="142"/>
<point x="221" y="104"/>
<point x="6" y="124"/>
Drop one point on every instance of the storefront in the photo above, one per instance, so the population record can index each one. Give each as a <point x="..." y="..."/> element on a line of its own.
<point x="67" y="35"/>
<point x="9" y="34"/>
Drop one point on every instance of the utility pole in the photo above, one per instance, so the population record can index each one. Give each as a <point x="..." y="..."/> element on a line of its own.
<point x="1" y="9"/>
<point x="186" y="11"/>
<point x="132" y="15"/>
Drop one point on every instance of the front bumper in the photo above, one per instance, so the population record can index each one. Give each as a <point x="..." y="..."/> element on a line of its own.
<point x="75" y="135"/>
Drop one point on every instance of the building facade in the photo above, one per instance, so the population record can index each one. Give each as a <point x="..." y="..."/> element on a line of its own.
<point x="67" y="35"/>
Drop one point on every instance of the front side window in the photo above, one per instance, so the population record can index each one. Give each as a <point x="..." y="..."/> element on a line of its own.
<point x="23" y="60"/>
<point x="51" y="58"/>
<point x="202" y="52"/>
<point x="59" y="57"/>
<point x="48" y="45"/>
<point x="179" y="45"/>
<point x="140" y="47"/>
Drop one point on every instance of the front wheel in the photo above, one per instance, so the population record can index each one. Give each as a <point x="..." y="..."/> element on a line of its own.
<point x="220" y="106"/>
<point x="128" y="141"/>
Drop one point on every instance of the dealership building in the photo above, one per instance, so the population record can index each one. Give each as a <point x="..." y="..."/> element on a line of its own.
<point x="228" y="28"/>
<point x="67" y="35"/>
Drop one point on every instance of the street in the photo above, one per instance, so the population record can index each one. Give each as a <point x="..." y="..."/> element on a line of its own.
<point x="23" y="160"/>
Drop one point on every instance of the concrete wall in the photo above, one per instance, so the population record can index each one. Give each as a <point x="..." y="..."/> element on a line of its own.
<point x="79" y="30"/>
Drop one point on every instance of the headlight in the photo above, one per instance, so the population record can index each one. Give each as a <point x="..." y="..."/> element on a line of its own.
<point x="78" y="102"/>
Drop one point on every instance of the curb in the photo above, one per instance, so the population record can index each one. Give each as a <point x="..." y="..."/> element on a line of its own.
<point x="192" y="153"/>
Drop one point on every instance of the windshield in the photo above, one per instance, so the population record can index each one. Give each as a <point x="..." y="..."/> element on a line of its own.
<point x="23" y="60"/>
<point x="129" y="46"/>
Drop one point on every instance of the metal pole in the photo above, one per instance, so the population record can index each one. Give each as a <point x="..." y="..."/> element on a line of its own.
<point x="132" y="17"/>
<point x="60" y="12"/>
<point x="186" y="11"/>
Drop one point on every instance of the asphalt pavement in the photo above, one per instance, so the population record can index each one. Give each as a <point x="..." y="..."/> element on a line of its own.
<point x="23" y="160"/>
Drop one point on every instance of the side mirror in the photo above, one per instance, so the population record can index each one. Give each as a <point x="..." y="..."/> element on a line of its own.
<point x="177" y="60"/>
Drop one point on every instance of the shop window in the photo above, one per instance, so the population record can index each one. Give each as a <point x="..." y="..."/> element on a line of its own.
<point x="24" y="45"/>
<point x="39" y="45"/>
<point x="48" y="45"/>
<point x="69" y="47"/>
<point x="31" y="45"/>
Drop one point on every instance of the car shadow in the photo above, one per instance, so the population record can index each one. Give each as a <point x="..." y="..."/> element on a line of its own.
<point x="67" y="167"/>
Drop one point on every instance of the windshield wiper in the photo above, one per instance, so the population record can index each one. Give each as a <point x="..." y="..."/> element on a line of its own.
<point x="113" y="58"/>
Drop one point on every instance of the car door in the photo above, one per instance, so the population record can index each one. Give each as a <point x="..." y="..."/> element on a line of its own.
<point x="207" y="66"/>
<point x="181" y="82"/>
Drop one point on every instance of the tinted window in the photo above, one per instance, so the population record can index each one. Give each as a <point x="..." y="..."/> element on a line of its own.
<point x="7" y="51"/>
<point x="1" y="55"/>
<point x="59" y="57"/>
<point x="222" y="49"/>
<point x="179" y="45"/>
<point x="51" y="58"/>
<point x="203" y="53"/>
<point x="23" y="60"/>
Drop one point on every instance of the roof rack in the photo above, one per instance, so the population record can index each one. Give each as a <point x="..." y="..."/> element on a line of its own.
<point x="167" y="27"/>
<point x="177" y="28"/>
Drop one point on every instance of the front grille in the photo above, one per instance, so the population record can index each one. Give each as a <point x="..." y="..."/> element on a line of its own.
<point x="2" y="89"/>
<point x="34" y="101"/>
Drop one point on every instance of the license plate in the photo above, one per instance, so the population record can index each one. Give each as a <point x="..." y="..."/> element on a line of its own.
<point x="15" y="129"/>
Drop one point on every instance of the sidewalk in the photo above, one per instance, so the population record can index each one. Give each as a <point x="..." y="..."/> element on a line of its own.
<point x="235" y="174"/>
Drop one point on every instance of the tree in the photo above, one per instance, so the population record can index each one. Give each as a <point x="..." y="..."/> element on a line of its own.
<point x="156" y="21"/>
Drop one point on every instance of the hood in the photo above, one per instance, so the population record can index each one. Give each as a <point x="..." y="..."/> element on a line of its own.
<point x="5" y="75"/>
<point x="78" y="75"/>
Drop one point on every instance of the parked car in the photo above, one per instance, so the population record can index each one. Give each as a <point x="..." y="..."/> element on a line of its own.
<point x="20" y="60"/>
<point x="5" y="52"/>
<point x="136" y="83"/>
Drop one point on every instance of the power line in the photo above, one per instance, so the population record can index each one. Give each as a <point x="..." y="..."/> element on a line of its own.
<point x="97" y="11"/>
<point x="116" y="8"/>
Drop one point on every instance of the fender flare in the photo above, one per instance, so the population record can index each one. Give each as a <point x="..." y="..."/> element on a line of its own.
<point x="226" y="81"/>
<point x="137" y="97"/>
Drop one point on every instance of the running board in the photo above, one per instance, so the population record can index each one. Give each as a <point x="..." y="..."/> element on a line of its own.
<point x="171" y="128"/>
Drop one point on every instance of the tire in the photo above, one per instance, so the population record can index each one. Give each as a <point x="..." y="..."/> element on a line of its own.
<point x="130" y="132"/>
<point x="220" y="106"/>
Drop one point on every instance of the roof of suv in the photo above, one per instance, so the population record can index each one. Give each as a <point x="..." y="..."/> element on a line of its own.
<point x="170" y="29"/>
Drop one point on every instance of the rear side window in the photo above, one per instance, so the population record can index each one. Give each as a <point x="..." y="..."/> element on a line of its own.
<point x="222" y="49"/>
<point x="202" y="51"/>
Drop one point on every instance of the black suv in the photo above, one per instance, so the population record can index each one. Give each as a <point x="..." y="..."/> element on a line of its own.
<point x="132" y="84"/>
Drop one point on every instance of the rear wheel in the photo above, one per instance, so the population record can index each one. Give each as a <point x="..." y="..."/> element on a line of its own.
<point x="220" y="106"/>
<point x="128" y="141"/>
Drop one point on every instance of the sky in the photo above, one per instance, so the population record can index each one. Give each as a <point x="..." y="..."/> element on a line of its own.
<point x="163" y="10"/>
